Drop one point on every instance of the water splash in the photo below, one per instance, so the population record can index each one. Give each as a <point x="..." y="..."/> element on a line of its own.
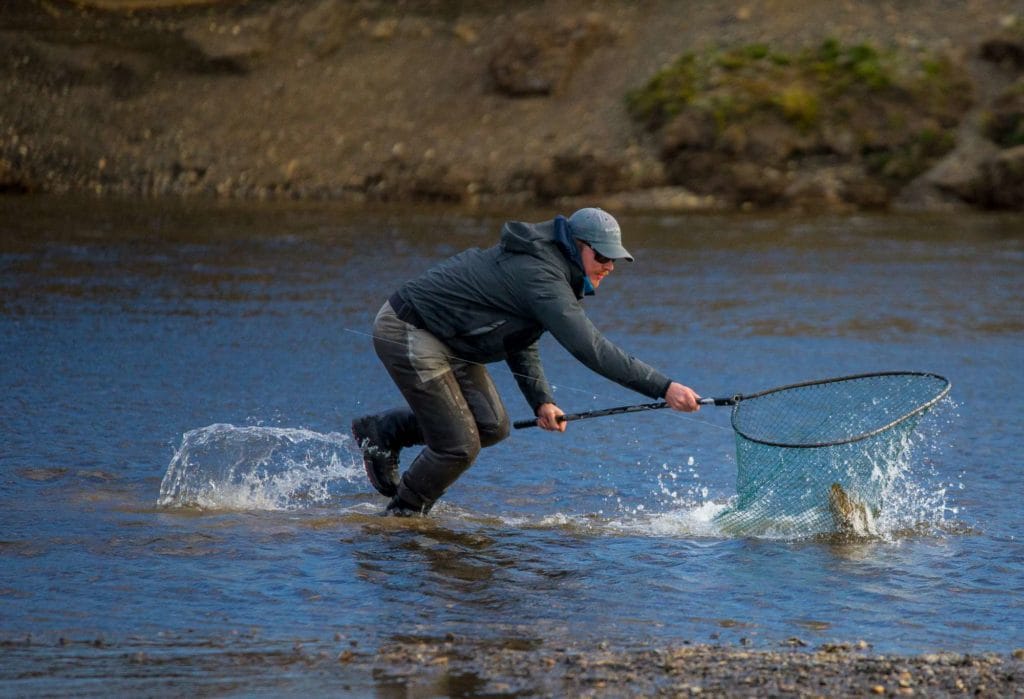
<point x="896" y="480"/>
<point x="692" y="520"/>
<point x="908" y="491"/>
<point x="918" y="497"/>
<point x="224" y="467"/>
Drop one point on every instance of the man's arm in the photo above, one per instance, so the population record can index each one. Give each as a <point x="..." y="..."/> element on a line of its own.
<point x="561" y="314"/>
<point x="529" y="374"/>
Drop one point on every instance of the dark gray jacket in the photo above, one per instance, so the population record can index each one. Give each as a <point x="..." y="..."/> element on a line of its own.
<point x="494" y="304"/>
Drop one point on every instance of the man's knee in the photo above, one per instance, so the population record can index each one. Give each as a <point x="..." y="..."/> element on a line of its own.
<point x="466" y="451"/>
<point x="457" y="449"/>
<point x="494" y="433"/>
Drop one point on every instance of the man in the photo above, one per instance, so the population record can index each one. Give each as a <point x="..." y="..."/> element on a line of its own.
<point x="436" y="333"/>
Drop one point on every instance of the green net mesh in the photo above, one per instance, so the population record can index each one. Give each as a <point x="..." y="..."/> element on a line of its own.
<point x="795" y="443"/>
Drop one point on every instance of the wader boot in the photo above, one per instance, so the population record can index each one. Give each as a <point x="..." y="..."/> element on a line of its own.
<point x="381" y="437"/>
<point x="400" y="508"/>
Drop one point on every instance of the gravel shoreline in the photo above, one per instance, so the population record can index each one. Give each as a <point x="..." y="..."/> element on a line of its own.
<point x="503" y="667"/>
<point x="834" y="669"/>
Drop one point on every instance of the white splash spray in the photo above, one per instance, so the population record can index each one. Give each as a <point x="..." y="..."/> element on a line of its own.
<point x="224" y="467"/>
<point x="912" y="497"/>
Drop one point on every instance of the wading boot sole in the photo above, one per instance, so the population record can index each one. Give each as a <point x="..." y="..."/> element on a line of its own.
<point x="381" y="463"/>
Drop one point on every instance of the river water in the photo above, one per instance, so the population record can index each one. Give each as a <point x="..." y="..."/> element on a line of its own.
<point x="182" y="506"/>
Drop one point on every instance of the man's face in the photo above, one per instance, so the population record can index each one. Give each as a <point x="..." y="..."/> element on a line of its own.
<point x="593" y="267"/>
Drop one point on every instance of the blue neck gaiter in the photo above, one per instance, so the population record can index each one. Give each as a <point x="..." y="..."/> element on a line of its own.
<point x="568" y="247"/>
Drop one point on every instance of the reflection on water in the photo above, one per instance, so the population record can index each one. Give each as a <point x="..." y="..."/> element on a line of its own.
<point x="181" y="498"/>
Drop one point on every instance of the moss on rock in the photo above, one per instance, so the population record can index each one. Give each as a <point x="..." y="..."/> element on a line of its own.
<point x="892" y="113"/>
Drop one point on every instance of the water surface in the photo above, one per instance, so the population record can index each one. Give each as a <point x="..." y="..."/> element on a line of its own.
<point x="232" y="341"/>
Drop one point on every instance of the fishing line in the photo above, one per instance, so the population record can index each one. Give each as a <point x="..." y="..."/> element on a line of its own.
<point x="674" y="413"/>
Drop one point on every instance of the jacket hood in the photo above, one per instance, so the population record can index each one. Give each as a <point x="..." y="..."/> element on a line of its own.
<point x="546" y="240"/>
<point x="529" y="238"/>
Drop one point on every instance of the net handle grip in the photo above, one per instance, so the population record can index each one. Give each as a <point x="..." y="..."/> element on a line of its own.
<point x="532" y="422"/>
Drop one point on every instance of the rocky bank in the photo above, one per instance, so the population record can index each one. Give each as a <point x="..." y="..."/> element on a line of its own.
<point x="452" y="668"/>
<point x="498" y="104"/>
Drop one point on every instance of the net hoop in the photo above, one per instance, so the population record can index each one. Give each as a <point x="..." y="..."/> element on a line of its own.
<point x="741" y="399"/>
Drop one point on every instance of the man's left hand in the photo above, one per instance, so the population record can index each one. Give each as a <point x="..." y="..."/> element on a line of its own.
<point x="547" y="418"/>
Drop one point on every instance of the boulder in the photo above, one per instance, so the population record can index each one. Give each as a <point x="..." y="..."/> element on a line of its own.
<point x="920" y="195"/>
<point x="756" y="184"/>
<point x="1004" y="122"/>
<point x="961" y="173"/>
<point x="1003" y="180"/>
<point x="443" y="182"/>
<point x="228" y="46"/>
<point x="10" y="182"/>
<point x="978" y="172"/>
<point x="573" y="174"/>
<point x="820" y="189"/>
<point x="703" y="171"/>
<point x="1008" y="52"/>
<point x="692" y="129"/>
<point x="860" y="190"/>
<point x="536" y="59"/>
<point x="771" y="141"/>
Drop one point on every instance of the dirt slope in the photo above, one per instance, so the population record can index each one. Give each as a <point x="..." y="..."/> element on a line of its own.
<point x="465" y="102"/>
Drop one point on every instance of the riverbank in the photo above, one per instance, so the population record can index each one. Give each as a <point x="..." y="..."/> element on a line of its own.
<point x="834" y="670"/>
<point x="450" y="666"/>
<point x="421" y="101"/>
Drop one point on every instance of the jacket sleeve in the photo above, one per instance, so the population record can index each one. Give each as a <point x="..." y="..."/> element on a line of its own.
<point x="526" y="367"/>
<point x="559" y="311"/>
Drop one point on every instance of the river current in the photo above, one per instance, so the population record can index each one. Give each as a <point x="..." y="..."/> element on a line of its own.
<point x="178" y="488"/>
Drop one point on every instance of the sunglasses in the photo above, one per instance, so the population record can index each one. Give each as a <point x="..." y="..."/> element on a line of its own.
<point x="598" y="257"/>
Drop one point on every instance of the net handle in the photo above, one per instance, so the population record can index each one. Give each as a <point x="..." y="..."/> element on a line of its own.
<point x="532" y="422"/>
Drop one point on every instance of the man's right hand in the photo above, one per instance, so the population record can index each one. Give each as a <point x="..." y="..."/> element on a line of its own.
<point x="680" y="397"/>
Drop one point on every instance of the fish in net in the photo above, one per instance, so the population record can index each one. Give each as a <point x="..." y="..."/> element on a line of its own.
<point x="817" y="457"/>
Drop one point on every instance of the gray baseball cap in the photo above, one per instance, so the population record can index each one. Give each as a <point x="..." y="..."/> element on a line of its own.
<point x="598" y="229"/>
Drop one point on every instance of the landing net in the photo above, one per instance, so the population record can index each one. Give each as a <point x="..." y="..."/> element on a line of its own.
<point x="793" y="443"/>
